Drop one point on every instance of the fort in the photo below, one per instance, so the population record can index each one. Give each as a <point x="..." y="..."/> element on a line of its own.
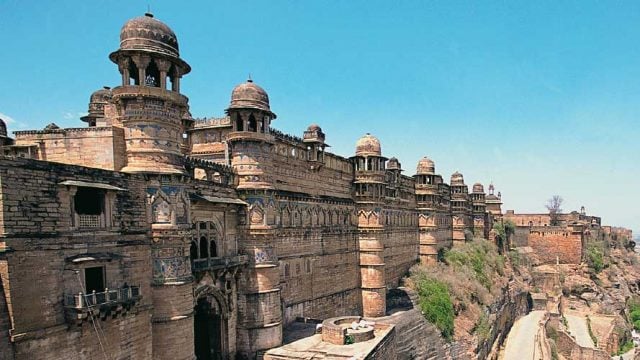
<point x="151" y="234"/>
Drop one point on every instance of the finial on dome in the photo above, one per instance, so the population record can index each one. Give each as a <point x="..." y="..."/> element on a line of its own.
<point x="250" y="79"/>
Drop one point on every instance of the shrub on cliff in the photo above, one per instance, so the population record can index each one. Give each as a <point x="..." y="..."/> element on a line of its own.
<point x="634" y="315"/>
<point x="480" y="256"/>
<point x="436" y="305"/>
<point x="595" y="258"/>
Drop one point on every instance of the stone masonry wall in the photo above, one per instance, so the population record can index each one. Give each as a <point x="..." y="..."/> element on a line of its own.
<point x="38" y="229"/>
<point x="551" y="241"/>
<point x="6" y="349"/>
<point x="97" y="147"/>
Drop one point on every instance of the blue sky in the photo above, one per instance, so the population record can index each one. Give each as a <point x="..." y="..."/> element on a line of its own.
<point x="541" y="98"/>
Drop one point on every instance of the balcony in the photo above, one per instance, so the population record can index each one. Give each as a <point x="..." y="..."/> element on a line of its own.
<point x="218" y="263"/>
<point x="110" y="302"/>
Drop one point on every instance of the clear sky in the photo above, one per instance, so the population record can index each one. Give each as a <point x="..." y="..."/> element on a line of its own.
<point x="539" y="97"/>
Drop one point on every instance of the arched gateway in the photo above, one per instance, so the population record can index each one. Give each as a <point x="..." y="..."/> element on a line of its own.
<point x="210" y="324"/>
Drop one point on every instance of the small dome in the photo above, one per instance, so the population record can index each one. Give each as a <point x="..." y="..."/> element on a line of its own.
<point x="101" y="96"/>
<point x="368" y="145"/>
<point x="97" y="101"/>
<point x="457" y="179"/>
<point x="148" y="34"/>
<point x="426" y="166"/>
<point x="248" y="95"/>
<point x="313" y="134"/>
<point x="478" y="188"/>
<point x="393" y="164"/>
<point x="3" y="128"/>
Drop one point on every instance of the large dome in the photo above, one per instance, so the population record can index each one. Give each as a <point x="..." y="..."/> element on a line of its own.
<point x="248" y="95"/>
<point x="148" y="34"/>
<point x="426" y="166"/>
<point x="368" y="145"/>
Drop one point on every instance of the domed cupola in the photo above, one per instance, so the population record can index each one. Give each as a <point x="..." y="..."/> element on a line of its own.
<point x="426" y="166"/>
<point x="370" y="168"/>
<point x="149" y="54"/>
<point x="97" y="102"/>
<point x="368" y="145"/>
<point x="148" y="104"/>
<point x="4" y="138"/>
<point x="148" y="34"/>
<point x="393" y="164"/>
<point x="457" y="179"/>
<point x="478" y="198"/>
<point x="248" y="95"/>
<point x="3" y="129"/>
<point x="314" y="138"/>
<point x="249" y="108"/>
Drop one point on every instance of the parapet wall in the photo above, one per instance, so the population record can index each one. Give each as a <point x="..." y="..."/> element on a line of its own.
<point x="568" y="348"/>
<point x="96" y="147"/>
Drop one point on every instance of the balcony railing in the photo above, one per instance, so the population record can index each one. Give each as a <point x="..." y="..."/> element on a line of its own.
<point x="218" y="263"/>
<point x="107" y="297"/>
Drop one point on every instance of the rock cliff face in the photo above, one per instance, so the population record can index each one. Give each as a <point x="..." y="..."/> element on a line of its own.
<point x="416" y="337"/>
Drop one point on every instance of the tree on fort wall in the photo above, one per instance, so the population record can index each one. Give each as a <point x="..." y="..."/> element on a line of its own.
<point x="554" y="205"/>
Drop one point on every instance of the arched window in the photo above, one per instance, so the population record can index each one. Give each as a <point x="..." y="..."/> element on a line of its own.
<point x="152" y="75"/>
<point x="213" y="250"/>
<point x="133" y="74"/>
<point x="253" y="126"/>
<point x="239" y="123"/>
<point x="193" y="251"/>
<point x="204" y="248"/>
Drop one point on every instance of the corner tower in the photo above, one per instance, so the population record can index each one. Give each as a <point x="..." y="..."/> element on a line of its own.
<point x="150" y="111"/>
<point x="370" y="190"/>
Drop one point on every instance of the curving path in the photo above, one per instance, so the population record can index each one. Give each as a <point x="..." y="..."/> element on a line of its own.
<point x="521" y="342"/>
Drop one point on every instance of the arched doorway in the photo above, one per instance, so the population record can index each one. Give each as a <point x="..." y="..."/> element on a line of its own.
<point x="209" y="325"/>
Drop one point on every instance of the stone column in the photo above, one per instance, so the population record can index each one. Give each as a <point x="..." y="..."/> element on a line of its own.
<point x="163" y="68"/>
<point x="175" y="82"/>
<point x="141" y="62"/>
<point x="123" y="66"/>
